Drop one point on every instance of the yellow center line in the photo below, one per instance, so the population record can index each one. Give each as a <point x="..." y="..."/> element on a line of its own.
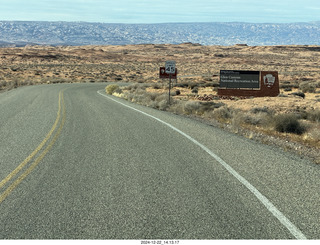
<point x="40" y="157"/>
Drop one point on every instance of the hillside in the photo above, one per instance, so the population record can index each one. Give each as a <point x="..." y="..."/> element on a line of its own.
<point x="18" y="33"/>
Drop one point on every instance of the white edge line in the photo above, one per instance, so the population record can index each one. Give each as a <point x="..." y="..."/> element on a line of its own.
<point x="265" y="201"/>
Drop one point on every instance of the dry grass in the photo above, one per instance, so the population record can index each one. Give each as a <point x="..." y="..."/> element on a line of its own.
<point x="110" y="89"/>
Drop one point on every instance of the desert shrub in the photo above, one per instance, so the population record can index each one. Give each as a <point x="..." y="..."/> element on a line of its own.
<point x="162" y="102"/>
<point x="301" y="114"/>
<point x="3" y="83"/>
<point x="314" y="133"/>
<point x="288" y="123"/>
<point x="133" y="87"/>
<point x="195" y="90"/>
<point x="15" y="83"/>
<point x="175" y="92"/>
<point x="128" y="96"/>
<point x="177" y="106"/>
<point x="141" y="97"/>
<point x="182" y="85"/>
<point x="202" y="84"/>
<point x="152" y="96"/>
<point x="300" y="94"/>
<point x="262" y="119"/>
<point x="149" y="99"/>
<point x="56" y="80"/>
<point x="110" y="89"/>
<point x="307" y="87"/>
<point x="156" y="86"/>
<point x="187" y="84"/>
<point x="207" y="79"/>
<point x="283" y="95"/>
<point x="210" y="105"/>
<point x="161" y="97"/>
<point x="286" y="85"/>
<point x="222" y="114"/>
<point x="264" y="109"/>
<point x="257" y="119"/>
<point x="129" y="88"/>
<point x="211" y="84"/>
<point x="238" y="119"/>
<point x="192" y="107"/>
<point x="192" y="85"/>
<point x="314" y="116"/>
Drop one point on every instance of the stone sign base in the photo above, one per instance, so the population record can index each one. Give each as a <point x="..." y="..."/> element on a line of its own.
<point x="269" y="87"/>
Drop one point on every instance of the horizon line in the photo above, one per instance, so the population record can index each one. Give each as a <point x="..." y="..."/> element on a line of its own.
<point x="163" y="23"/>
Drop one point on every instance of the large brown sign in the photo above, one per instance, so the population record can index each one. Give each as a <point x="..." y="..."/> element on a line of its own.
<point x="231" y="85"/>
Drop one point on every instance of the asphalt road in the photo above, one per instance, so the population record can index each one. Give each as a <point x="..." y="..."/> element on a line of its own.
<point x="78" y="164"/>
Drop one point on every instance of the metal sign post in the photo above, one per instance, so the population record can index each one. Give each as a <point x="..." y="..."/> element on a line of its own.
<point x="170" y="69"/>
<point x="169" y="88"/>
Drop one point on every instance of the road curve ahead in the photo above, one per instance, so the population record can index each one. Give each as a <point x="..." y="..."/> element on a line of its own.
<point x="79" y="164"/>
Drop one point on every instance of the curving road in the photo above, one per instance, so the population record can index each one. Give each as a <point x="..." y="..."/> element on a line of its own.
<point x="78" y="164"/>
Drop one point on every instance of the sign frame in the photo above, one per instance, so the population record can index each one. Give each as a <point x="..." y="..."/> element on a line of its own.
<point x="239" y="79"/>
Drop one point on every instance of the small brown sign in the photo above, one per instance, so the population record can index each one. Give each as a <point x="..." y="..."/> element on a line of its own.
<point x="165" y="75"/>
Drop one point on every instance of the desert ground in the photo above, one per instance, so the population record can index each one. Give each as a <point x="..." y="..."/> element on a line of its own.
<point x="198" y="78"/>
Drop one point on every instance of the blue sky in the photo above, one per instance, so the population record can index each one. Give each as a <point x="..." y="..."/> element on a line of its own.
<point x="162" y="11"/>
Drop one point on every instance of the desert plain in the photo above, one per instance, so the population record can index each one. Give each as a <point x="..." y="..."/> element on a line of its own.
<point x="198" y="79"/>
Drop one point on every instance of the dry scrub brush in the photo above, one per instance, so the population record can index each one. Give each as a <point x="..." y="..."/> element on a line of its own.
<point x="137" y="93"/>
<point x="110" y="89"/>
<point x="288" y="123"/>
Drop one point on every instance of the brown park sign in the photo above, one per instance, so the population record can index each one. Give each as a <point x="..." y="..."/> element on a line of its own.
<point x="165" y="75"/>
<point x="249" y="83"/>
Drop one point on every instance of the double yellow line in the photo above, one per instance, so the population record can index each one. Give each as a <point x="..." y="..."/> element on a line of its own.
<point x="58" y="124"/>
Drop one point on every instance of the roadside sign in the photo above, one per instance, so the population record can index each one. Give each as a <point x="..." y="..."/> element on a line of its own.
<point x="249" y="83"/>
<point x="169" y="71"/>
<point x="170" y="67"/>
<point x="165" y="75"/>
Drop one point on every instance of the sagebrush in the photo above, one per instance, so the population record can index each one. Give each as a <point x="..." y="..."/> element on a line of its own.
<point x="110" y="89"/>
<point x="288" y="123"/>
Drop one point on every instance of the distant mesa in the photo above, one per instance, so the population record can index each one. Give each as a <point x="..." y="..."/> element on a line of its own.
<point x="21" y="33"/>
<point x="242" y="44"/>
